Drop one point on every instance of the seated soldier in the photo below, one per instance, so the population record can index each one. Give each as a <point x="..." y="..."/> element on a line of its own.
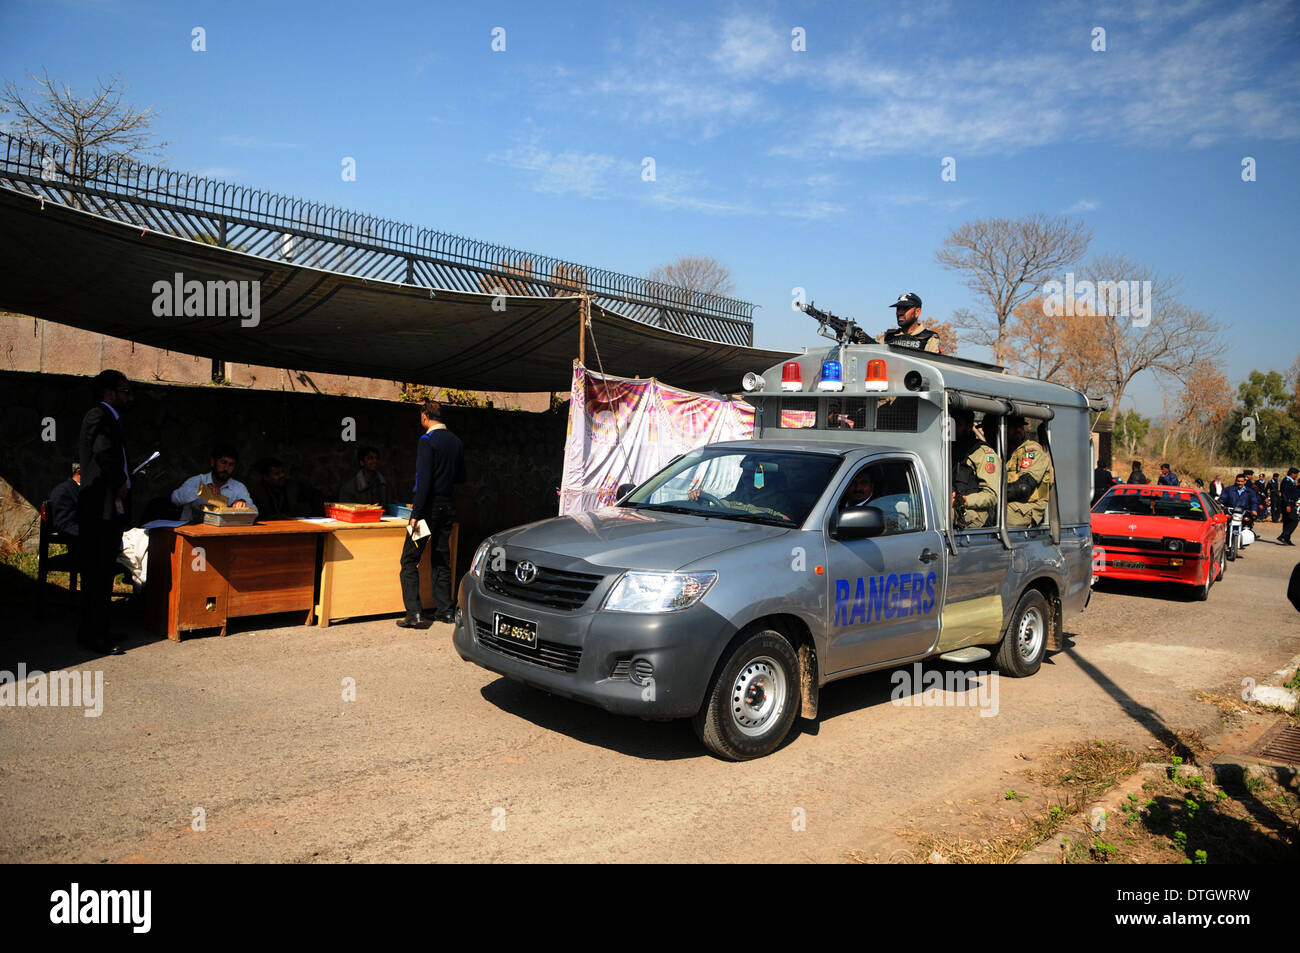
<point x="1029" y="476"/>
<point x="977" y="474"/>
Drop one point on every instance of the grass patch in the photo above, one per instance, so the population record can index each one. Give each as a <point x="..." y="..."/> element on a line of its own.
<point x="1075" y="775"/>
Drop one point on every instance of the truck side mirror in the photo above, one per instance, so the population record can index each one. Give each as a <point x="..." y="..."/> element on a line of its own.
<point x="858" y="523"/>
<point x="624" y="490"/>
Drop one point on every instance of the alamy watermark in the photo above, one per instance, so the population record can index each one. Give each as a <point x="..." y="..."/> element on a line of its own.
<point x="1116" y="299"/>
<point x="208" y="299"/>
<point x="917" y="688"/>
<point x="68" y="689"/>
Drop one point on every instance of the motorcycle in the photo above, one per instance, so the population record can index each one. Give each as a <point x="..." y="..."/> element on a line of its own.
<point x="1240" y="534"/>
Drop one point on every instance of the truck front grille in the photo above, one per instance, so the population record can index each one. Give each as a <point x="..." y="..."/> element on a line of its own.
<point x="555" y="588"/>
<point x="552" y="655"/>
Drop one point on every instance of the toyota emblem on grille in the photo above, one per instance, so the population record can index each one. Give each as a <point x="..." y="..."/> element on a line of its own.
<point x="526" y="572"/>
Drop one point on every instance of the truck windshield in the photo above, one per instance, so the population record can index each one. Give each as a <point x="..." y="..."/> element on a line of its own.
<point x="756" y="486"/>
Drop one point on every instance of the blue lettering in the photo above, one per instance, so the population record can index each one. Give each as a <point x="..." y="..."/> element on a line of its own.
<point x="904" y="595"/>
<point x="841" y="601"/>
<point x="877" y="598"/>
<point x="859" y="603"/>
<point x="891" y="595"/>
<point x="918" y="587"/>
<point x="930" y="580"/>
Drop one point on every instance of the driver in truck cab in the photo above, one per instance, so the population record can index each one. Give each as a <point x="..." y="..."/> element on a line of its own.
<point x="1029" y="476"/>
<point x="977" y="473"/>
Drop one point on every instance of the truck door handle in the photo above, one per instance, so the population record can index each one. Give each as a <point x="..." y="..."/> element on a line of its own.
<point x="928" y="556"/>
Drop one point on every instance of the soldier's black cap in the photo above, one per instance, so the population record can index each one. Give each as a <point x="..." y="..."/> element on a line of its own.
<point x="1292" y="472"/>
<point x="909" y="300"/>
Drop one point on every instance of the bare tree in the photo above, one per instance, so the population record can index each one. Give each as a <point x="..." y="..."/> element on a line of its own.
<point x="92" y="129"/>
<point x="694" y="275"/>
<point x="1004" y="261"/>
<point x="1170" y="339"/>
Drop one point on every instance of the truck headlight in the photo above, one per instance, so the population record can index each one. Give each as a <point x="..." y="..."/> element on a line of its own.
<point x="659" y="591"/>
<point x="480" y="557"/>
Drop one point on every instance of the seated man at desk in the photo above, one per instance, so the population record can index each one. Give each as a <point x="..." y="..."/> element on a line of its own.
<point x="63" y="503"/>
<point x="368" y="485"/>
<point x="218" y="483"/>
<point x="275" y="496"/>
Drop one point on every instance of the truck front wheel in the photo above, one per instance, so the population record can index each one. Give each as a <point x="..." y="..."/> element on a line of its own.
<point x="753" y="700"/>
<point x="1024" y="644"/>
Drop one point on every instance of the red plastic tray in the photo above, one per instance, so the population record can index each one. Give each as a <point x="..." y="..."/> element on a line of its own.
<point x="370" y="514"/>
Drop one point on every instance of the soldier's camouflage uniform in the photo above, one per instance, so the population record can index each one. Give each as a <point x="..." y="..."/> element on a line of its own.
<point x="1029" y="483"/>
<point x="978" y="475"/>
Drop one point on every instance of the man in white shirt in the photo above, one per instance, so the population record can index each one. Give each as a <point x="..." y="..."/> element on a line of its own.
<point x="219" y="480"/>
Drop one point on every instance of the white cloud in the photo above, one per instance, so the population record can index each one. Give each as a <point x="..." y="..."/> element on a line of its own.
<point x="1174" y="74"/>
<point x="1083" y="205"/>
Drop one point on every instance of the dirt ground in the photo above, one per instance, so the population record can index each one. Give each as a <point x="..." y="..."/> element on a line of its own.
<point x="438" y="760"/>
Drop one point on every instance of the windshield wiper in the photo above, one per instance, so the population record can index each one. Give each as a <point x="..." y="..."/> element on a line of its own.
<point x="754" y="518"/>
<point x="670" y="508"/>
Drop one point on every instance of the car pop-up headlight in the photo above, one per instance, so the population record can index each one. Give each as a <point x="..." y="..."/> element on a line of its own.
<point x="659" y="591"/>
<point x="480" y="557"/>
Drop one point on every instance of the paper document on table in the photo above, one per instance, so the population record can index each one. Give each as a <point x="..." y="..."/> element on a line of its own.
<point x="420" y="531"/>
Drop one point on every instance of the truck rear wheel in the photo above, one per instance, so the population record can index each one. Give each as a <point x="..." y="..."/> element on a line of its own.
<point x="754" y="698"/>
<point x="1024" y="644"/>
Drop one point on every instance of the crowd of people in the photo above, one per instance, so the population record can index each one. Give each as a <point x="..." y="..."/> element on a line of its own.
<point x="92" y="508"/>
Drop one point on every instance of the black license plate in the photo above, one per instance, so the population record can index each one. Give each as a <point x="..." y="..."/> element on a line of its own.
<point x="515" y="630"/>
<point x="1127" y="564"/>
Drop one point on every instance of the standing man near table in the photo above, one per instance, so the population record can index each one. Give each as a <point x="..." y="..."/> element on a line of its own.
<point x="439" y="463"/>
<point x="103" y="505"/>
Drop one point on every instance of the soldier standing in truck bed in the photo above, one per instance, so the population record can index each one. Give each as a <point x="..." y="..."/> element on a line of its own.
<point x="1029" y="476"/>
<point x="977" y="473"/>
<point x="910" y="332"/>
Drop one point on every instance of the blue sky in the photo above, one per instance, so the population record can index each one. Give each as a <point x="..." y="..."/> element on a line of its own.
<point x="818" y="169"/>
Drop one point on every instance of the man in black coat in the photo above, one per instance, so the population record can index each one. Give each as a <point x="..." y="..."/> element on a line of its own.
<point x="439" y="463"/>
<point x="1290" y="493"/>
<point x="1136" y="477"/>
<point x="1101" y="482"/>
<point x="103" y="505"/>
<point x="63" y="503"/>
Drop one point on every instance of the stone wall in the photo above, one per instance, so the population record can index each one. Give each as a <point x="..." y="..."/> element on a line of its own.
<point x="513" y="459"/>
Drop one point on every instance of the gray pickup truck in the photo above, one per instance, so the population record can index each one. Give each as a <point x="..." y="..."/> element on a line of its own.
<point x="733" y="584"/>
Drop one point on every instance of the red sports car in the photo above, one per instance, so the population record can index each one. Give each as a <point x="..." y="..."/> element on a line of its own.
<point x="1159" y="534"/>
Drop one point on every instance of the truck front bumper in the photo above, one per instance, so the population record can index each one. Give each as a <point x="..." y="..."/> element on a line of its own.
<point x="654" y="665"/>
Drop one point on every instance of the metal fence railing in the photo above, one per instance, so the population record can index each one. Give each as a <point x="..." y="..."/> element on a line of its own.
<point x="287" y="229"/>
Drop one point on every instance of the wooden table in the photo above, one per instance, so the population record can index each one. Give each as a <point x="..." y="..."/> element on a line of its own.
<point x="359" y="566"/>
<point x="200" y="576"/>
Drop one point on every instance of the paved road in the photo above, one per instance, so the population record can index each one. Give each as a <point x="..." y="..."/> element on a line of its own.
<point x="438" y="760"/>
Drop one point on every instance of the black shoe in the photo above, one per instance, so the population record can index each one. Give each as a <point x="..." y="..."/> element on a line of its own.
<point x="102" y="646"/>
<point x="1288" y="543"/>
<point x="448" y="617"/>
<point x="416" y="621"/>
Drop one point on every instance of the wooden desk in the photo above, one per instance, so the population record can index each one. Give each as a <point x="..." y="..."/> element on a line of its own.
<point x="200" y="576"/>
<point x="359" y="567"/>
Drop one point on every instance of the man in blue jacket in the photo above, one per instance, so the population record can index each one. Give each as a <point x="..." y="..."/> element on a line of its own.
<point x="1242" y="495"/>
<point x="439" y="463"/>
<point x="1167" y="477"/>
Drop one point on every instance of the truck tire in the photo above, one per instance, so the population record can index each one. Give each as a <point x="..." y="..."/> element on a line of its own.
<point x="1024" y="644"/>
<point x="754" y="698"/>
